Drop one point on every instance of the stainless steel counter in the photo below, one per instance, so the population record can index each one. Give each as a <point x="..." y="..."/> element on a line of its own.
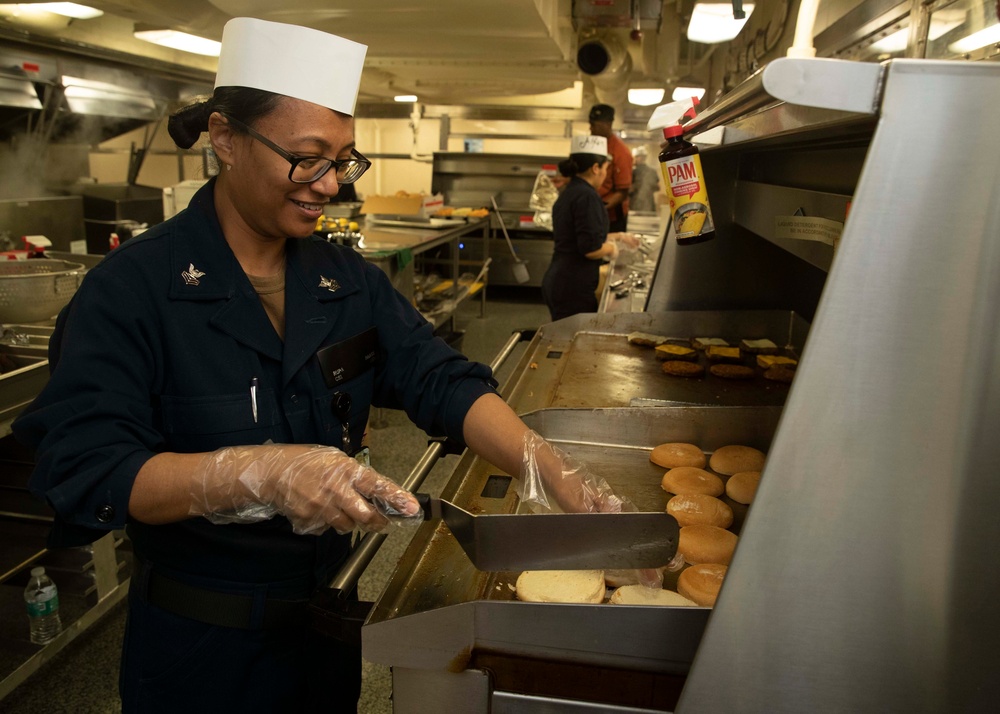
<point x="393" y="248"/>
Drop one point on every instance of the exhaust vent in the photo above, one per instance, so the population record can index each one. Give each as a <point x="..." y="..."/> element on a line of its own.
<point x="593" y="58"/>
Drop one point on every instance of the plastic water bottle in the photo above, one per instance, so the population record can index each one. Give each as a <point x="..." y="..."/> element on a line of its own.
<point x="42" y="600"/>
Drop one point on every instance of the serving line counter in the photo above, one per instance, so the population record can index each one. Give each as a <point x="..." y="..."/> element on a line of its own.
<point x="862" y="580"/>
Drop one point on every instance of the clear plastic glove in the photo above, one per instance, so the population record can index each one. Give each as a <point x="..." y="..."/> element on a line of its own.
<point x="614" y="249"/>
<point x="547" y="470"/>
<point x="631" y="240"/>
<point x="314" y="487"/>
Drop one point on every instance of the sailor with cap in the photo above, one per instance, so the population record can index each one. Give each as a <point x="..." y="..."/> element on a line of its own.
<point x="210" y="383"/>
<point x="618" y="181"/>
<point x="579" y="231"/>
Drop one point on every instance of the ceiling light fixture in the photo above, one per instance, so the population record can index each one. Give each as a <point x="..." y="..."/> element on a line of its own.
<point x="687" y="92"/>
<point x="405" y="98"/>
<point x="986" y="36"/>
<point x="645" y="96"/>
<point x="69" y="9"/>
<point x="712" y="23"/>
<point x="180" y="41"/>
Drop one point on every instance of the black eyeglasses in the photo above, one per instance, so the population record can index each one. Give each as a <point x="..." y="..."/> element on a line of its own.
<point x="306" y="169"/>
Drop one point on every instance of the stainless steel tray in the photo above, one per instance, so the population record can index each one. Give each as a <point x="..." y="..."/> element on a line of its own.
<point x="437" y="609"/>
<point x="587" y="361"/>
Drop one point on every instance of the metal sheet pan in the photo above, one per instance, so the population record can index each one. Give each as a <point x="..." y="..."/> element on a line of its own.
<point x="438" y="609"/>
<point x="586" y="360"/>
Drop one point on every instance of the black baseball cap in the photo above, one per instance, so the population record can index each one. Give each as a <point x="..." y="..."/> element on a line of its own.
<point x="602" y="112"/>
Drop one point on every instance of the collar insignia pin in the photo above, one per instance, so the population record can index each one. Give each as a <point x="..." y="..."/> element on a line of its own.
<point x="191" y="275"/>
<point x="331" y="285"/>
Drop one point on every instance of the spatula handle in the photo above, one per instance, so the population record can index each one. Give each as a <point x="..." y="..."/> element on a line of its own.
<point x="425" y="505"/>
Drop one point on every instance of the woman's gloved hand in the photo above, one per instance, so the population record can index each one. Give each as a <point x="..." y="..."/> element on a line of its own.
<point x="614" y="249"/>
<point x="314" y="487"/>
<point x="547" y="470"/>
<point x="630" y="240"/>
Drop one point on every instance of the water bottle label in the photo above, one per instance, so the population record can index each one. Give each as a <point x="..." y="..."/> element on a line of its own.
<point x="46" y="604"/>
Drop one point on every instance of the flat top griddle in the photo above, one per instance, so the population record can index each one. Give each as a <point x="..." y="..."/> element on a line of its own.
<point x="587" y="361"/>
<point x="437" y="607"/>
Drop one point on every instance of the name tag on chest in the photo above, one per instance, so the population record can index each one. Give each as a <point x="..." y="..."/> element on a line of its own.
<point x="348" y="359"/>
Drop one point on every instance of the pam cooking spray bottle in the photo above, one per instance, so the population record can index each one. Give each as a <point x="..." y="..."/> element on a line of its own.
<point x="680" y="162"/>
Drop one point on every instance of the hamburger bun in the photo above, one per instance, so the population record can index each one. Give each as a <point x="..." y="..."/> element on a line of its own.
<point x="644" y="339"/>
<point x="688" y="479"/>
<point x="701" y="583"/>
<point x="706" y="544"/>
<point x="729" y="460"/>
<point x="693" y="509"/>
<point x="676" y="454"/>
<point x="560" y="586"/>
<point x="742" y="486"/>
<point x="641" y="595"/>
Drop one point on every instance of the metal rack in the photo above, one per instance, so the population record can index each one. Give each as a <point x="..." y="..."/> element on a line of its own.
<point x="471" y="179"/>
<point x="91" y="579"/>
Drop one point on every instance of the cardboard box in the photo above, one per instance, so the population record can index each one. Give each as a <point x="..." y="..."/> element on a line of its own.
<point x="422" y="206"/>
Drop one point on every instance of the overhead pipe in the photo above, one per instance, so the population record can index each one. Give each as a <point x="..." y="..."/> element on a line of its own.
<point x="802" y="44"/>
<point x="604" y="59"/>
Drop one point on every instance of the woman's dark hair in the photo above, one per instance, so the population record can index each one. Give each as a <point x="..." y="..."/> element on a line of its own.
<point x="242" y="103"/>
<point x="578" y="163"/>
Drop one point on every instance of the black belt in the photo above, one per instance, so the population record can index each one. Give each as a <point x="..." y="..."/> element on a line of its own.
<point x="223" y="609"/>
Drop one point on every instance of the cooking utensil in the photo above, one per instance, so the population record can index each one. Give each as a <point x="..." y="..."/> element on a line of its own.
<point x="558" y="541"/>
<point x="520" y="267"/>
<point x="35" y="290"/>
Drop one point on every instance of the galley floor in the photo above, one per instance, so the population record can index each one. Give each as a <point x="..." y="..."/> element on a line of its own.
<point x="83" y="678"/>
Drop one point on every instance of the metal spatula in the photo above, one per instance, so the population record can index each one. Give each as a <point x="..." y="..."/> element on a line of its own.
<point x="558" y="541"/>
<point x="519" y="267"/>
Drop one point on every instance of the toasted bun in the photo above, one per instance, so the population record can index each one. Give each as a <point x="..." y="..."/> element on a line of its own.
<point x="676" y="454"/>
<point x="706" y="544"/>
<point x="688" y="479"/>
<point x="693" y="509"/>
<point x="742" y="486"/>
<point x="641" y="595"/>
<point x="701" y="583"/>
<point x="561" y="586"/>
<point x="733" y="459"/>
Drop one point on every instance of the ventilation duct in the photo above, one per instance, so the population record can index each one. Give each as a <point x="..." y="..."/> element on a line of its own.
<point x="605" y="60"/>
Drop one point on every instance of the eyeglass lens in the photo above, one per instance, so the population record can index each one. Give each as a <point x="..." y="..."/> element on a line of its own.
<point x="311" y="168"/>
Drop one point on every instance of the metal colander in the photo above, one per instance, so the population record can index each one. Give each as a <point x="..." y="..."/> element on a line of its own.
<point x="35" y="290"/>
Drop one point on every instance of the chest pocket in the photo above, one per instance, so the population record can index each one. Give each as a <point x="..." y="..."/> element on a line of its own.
<point x="207" y="423"/>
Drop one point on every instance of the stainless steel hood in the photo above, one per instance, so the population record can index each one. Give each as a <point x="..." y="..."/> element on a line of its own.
<point x="95" y="98"/>
<point x="56" y="96"/>
<point x="18" y="93"/>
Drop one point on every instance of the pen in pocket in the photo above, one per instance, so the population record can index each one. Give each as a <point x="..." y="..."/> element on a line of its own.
<point x="254" y="383"/>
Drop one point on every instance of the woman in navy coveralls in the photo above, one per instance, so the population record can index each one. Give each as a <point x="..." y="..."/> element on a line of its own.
<point x="579" y="232"/>
<point x="197" y="399"/>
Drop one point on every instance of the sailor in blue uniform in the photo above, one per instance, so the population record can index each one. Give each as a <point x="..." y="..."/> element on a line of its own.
<point x="211" y="380"/>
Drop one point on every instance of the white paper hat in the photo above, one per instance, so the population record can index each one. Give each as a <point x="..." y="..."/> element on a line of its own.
<point x="589" y="144"/>
<point x="291" y="60"/>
